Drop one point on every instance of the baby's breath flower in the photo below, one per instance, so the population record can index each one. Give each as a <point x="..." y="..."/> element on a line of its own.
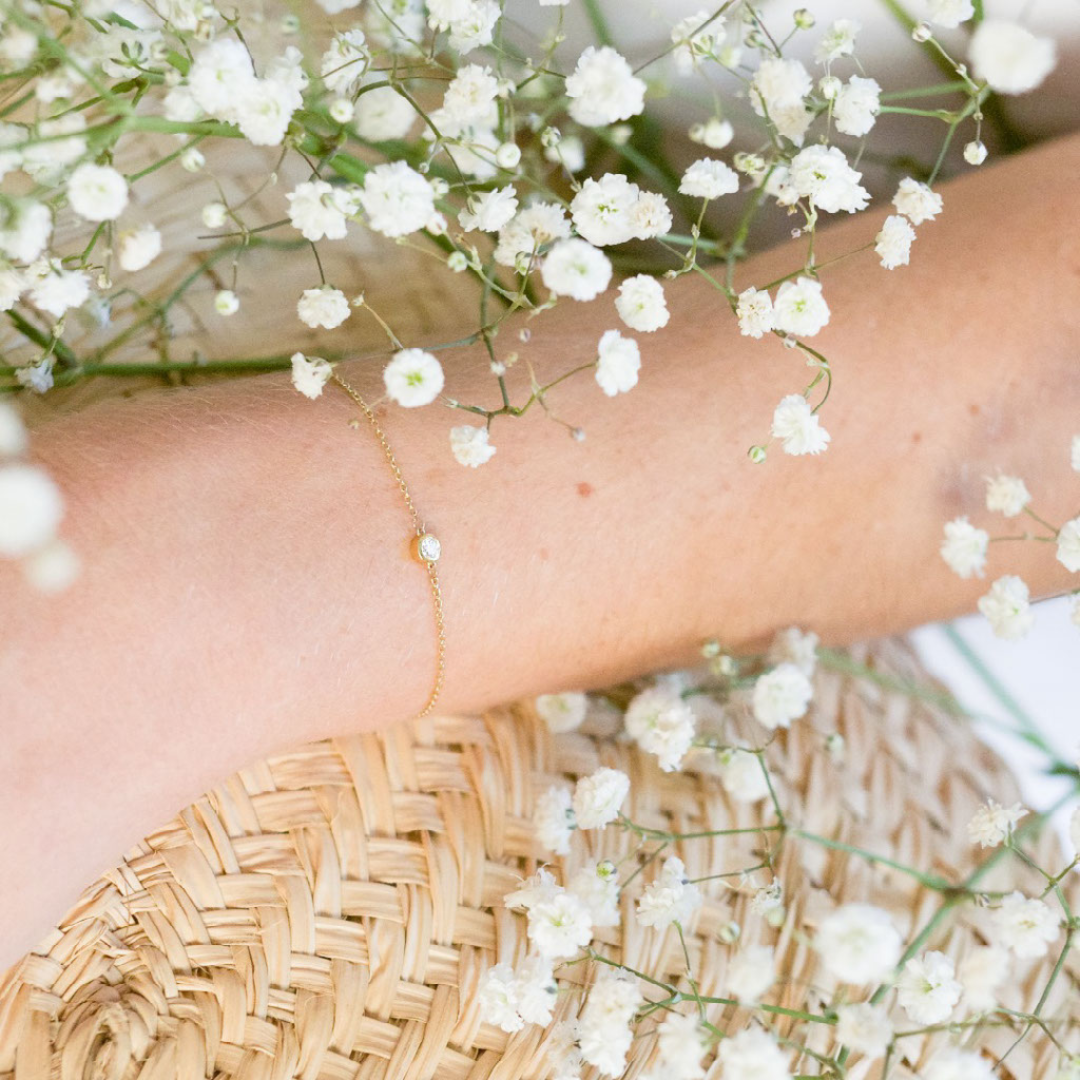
<point x="750" y="973"/>
<point x="837" y="41"/>
<point x="681" y="1042"/>
<point x="562" y="712"/>
<point x="952" y="1063"/>
<point x="669" y="897"/>
<point x="138" y="248"/>
<point x="618" y="362"/>
<point x="192" y="159"/>
<point x="470" y="445"/>
<point x="470" y="96"/>
<point x="822" y="175"/>
<point x="865" y="1028"/>
<point x="598" y="797"/>
<point x="56" y="290"/>
<point x="709" y="179"/>
<point x="964" y="548"/>
<point x="1010" y="57"/>
<point x="97" y="192"/>
<point x="605" y="1034"/>
<point x="603" y="88"/>
<point x="554" y="820"/>
<point x="497" y="999"/>
<point x="490" y="211"/>
<point x="26" y="231"/>
<point x="1068" y="545"/>
<point x="310" y="374"/>
<point x="396" y="199"/>
<point x="1024" y="926"/>
<point x="693" y="44"/>
<point x="993" y="824"/>
<point x="800" y="308"/>
<point x="753" y="1053"/>
<point x="858" y="943"/>
<point x="981" y="972"/>
<point x="534" y="990"/>
<point x="315" y="209"/>
<point x="777" y="91"/>
<point x="927" y="989"/>
<point x="413" y="378"/>
<point x="797" y="647"/>
<point x="37" y="377"/>
<point x="781" y="695"/>
<point x="596" y="885"/>
<point x="576" y="269"/>
<point x="559" y="925"/>
<point x="641" y="304"/>
<point x="755" y="313"/>
<point x="856" y="106"/>
<point x="602" y="209"/>
<point x="326" y="307"/>
<point x="13" y="435"/>
<point x="950" y="13"/>
<point x="917" y="201"/>
<point x="661" y="723"/>
<point x="1007" y="607"/>
<point x="1007" y="495"/>
<point x="30" y="509"/>
<point x="53" y="568"/>
<point x="742" y="775"/>
<point x="382" y="114"/>
<point x="894" y="242"/>
<point x="799" y="427"/>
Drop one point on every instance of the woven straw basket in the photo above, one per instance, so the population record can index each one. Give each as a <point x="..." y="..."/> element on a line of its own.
<point x="327" y="914"/>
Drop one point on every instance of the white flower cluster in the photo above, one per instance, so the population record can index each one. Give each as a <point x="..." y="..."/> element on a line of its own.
<point x="487" y="162"/>
<point x="31" y="509"/>
<point x="1007" y="605"/>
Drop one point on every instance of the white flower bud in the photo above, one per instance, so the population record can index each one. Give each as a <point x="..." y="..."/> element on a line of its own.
<point x="804" y="19"/>
<point x="342" y="110"/>
<point x="192" y="159"/>
<point x="214" y="215"/>
<point x="508" y="155"/>
<point x="922" y="32"/>
<point x="975" y="152"/>
<point x="226" y="302"/>
<point x="829" y="87"/>
<point x="757" y="454"/>
<point x="458" y="262"/>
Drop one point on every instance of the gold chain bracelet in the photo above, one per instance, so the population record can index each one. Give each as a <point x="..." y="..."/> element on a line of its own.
<point x="424" y="546"/>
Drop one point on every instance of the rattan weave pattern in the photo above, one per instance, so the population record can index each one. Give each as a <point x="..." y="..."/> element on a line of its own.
<point x="328" y="913"/>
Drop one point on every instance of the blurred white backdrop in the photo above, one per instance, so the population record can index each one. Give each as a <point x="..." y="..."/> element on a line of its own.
<point x="1040" y="677"/>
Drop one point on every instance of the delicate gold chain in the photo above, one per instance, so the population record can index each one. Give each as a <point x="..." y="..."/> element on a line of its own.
<point x="425" y="546"/>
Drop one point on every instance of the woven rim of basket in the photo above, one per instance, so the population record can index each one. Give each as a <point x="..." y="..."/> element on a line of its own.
<point x="328" y="913"/>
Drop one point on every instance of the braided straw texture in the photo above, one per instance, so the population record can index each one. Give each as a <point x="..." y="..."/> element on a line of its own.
<point x="327" y="914"/>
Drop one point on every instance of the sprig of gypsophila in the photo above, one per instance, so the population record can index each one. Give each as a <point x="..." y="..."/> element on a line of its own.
<point x="440" y="127"/>
<point x="874" y="988"/>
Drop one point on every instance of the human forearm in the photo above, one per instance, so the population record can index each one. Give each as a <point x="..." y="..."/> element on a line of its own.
<point x="245" y="584"/>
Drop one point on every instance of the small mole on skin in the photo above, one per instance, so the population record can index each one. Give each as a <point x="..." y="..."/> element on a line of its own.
<point x="974" y="409"/>
<point x="917" y="437"/>
<point x="584" y="489"/>
<point x="542" y="554"/>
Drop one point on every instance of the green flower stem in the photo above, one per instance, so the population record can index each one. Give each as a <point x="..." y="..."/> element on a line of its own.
<point x="659" y="834"/>
<point x="931" y="881"/>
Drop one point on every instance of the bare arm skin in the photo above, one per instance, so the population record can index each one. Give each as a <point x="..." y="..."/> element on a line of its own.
<point x="246" y="585"/>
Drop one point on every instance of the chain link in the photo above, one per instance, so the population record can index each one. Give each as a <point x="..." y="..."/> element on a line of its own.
<point x="418" y="526"/>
